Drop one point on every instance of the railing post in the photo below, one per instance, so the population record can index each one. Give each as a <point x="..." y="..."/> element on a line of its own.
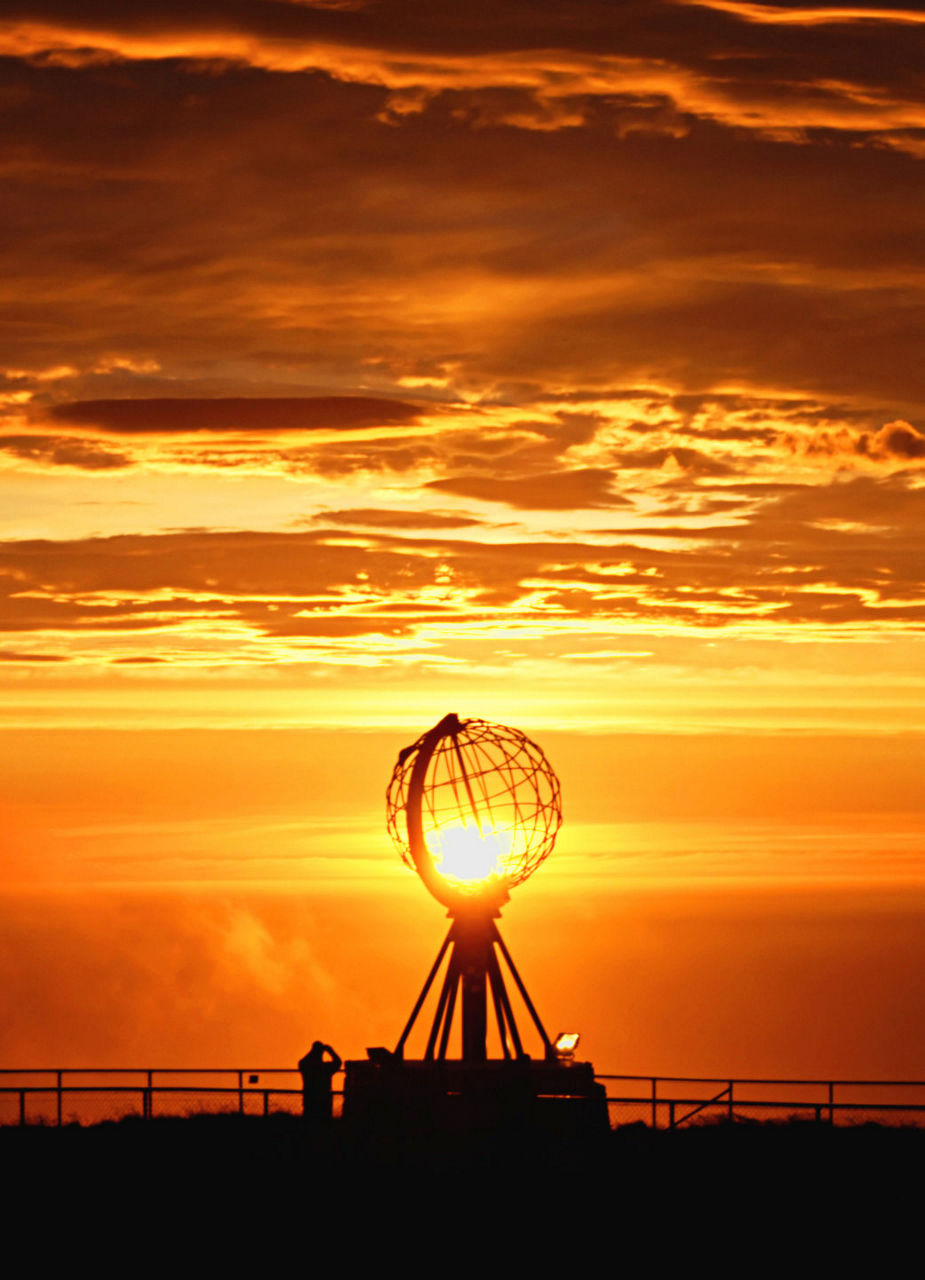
<point x="654" y="1102"/>
<point x="831" y="1102"/>
<point x="266" y="1102"/>
<point x="148" y="1108"/>
<point x="22" y="1106"/>
<point x="59" y="1074"/>
<point x="671" y="1114"/>
<point x="731" y="1107"/>
<point x="240" y="1093"/>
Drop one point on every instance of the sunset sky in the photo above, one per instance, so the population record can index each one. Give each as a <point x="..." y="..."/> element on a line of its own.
<point x="553" y="363"/>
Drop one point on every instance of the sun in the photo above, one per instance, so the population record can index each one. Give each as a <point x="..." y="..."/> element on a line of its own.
<point x="466" y="856"/>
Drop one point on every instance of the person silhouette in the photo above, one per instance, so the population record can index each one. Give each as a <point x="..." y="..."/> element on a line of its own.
<point x="317" y="1069"/>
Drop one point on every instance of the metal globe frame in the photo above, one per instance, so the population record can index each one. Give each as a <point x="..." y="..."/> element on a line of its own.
<point x="476" y="773"/>
<point x="495" y="778"/>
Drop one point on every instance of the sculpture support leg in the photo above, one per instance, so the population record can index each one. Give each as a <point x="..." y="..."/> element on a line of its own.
<point x="445" y="1003"/>
<point x="475" y="967"/>
<point x="473" y="949"/>
<point x="504" y="1012"/>
<point x="400" y="1047"/>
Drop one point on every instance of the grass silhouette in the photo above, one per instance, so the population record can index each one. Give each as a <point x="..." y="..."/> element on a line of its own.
<point x="245" y="1193"/>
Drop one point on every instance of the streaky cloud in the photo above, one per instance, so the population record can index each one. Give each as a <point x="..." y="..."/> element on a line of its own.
<point x="237" y="413"/>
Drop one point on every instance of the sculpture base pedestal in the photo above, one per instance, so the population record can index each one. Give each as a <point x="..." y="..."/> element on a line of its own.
<point x="420" y="1098"/>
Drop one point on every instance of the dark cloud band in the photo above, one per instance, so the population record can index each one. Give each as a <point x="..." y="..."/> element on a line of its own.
<point x="237" y="413"/>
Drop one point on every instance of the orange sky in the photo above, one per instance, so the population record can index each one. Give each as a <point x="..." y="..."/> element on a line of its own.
<point x="558" y="365"/>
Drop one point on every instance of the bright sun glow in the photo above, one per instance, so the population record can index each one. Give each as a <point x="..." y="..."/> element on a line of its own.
<point x="467" y="855"/>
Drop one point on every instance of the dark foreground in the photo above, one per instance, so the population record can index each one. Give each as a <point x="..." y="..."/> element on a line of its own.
<point x="232" y="1185"/>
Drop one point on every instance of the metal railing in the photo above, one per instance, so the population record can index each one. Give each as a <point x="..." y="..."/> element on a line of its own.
<point x="670" y="1102"/>
<point x="87" y="1095"/>
<point x="90" y="1094"/>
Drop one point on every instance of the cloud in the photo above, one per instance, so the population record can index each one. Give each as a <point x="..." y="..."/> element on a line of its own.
<point x="64" y="451"/>
<point x="790" y="556"/>
<point x="164" y="416"/>
<point x="381" y="518"/>
<point x="678" y="457"/>
<point x="14" y="655"/>
<point x="895" y="442"/>
<point x="566" y="261"/>
<point x="203" y="251"/>
<point x="738" y="64"/>
<point x="809" y="15"/>
<point x="83" y="991"/>
<point x="552" y="491"/>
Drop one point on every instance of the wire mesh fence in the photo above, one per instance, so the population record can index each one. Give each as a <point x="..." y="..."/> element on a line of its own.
<point x="54" y="1096"/>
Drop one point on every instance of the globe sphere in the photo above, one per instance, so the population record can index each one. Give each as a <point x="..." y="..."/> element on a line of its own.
<point x="480" y="803"/>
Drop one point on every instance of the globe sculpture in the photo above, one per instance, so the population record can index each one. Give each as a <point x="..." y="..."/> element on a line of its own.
<point x="474" y="808"/>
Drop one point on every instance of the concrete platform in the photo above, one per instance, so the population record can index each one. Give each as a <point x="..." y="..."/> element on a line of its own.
<point x="521" y="1096"/>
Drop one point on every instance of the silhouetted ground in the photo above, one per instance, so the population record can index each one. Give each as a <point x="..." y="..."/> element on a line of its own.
<point x="248" y="1191"/>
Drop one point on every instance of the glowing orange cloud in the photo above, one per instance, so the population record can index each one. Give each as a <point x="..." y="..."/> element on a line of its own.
<point x="773" y="15"/>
